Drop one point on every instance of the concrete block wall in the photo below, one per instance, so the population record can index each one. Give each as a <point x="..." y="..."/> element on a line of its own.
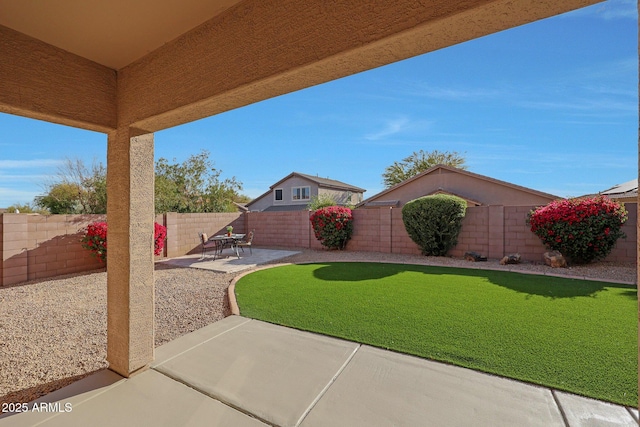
<point x="627" y="249"/>
<point x="183" y="229"/>
<point x="282" y="229"/>
<point x="371" y="230"/>
<point x="518" y="236"/>
<point x="12" y="248"/>
<point x="36" y="247"/>
<point x="401" y="243"/>
<point x="473" y="235"/>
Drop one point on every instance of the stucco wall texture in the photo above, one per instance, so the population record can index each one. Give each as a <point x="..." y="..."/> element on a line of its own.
<point x="36" y="247"/>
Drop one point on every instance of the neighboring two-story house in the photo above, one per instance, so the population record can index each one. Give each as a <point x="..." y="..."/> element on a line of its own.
<point x="294" y="192"/>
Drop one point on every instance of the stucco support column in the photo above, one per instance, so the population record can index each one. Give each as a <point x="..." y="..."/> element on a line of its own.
<point x="130" y="281"/>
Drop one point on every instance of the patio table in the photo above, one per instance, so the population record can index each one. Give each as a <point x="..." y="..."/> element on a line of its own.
<point x="224" y="240"/>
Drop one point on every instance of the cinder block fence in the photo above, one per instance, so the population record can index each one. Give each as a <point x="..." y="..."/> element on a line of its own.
<point x="35" y="246"/>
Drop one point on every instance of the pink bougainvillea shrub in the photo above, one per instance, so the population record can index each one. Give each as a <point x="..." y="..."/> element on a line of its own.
<point x="95" y="239"/>
<point x="583" y="230"/>
<point x="332" y="226"/>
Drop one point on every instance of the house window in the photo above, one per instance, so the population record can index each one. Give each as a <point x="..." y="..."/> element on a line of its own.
<point x="301" y="193"/>
<point x="278" y="194"/>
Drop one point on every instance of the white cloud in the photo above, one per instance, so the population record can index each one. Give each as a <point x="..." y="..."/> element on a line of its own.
<point x="392" y="127"/>
<point x="400" y="125"/>
<point x="26" y="164"/>
<point x="453" y="94"/>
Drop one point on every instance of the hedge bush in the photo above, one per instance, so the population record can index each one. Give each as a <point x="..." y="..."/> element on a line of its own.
<point x="332" y="226"/>
<point x="434" y="222"/>
<point x="583" y="229"/>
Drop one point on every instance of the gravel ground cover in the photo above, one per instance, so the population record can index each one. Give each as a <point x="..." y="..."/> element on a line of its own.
<point x="53" y="332"/>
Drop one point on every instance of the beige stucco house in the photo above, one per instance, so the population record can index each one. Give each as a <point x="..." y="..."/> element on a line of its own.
<point x="295" y="191"/>
<point x="476" y="189"/>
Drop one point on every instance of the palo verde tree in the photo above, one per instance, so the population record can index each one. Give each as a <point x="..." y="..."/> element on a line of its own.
<point x="420" y="161"/>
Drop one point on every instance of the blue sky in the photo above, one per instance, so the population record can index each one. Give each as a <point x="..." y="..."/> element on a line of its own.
<point x="552" y="105"/>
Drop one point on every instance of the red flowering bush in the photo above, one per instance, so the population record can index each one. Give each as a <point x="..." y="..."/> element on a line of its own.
<point x="95" y="239"/>
<point x="159" y="236"/>
<point x="332" y="226"/>
<point x="582" y="230"/>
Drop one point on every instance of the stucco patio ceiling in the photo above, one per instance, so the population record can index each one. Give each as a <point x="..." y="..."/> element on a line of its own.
<point x="112" y="33"/>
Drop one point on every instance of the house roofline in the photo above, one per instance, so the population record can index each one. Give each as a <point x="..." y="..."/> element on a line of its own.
<point x="461" y="171"/>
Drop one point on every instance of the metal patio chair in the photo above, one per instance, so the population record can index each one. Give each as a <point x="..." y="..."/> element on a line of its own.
<point x="247" y="242"/>
<point x="206" y="245"/>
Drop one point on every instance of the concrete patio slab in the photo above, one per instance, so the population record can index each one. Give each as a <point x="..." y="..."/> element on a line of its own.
<point x="229" y="263"/>
<point x="152" y="399"/>
<point x="584" y="412"/>
<point x="272" y="372"/>
<point x="74" y="394"/>
<point x="381" y="388"/>
<point x="243" y="372"/>
<point x="196" y="338"/>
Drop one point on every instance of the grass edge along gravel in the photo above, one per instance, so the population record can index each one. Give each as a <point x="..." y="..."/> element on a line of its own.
<point x="574" y="335"/>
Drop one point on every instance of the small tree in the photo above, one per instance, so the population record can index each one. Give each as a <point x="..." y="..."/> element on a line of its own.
<point x="78" y="189"/>
<point x="61" y="198"/>
<point x="583" y="229"/>
<point x="193" y="186"/>
<point x="332" y="226"/>
<point x="434" y="222"/>
<point x="420" y="161"/>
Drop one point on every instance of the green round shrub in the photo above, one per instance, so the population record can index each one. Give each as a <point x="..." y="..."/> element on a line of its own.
<point x="434" y="222"/>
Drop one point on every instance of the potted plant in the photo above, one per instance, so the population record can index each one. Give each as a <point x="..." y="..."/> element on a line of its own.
<point x="229" y="230"/>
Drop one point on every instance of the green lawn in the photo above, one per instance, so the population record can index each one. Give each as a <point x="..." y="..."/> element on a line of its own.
<point x="573" y="335"/>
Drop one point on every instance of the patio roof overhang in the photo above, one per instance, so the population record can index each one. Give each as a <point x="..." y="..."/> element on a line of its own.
<point x="153" y="65"/>
<point x="130" y="68"/>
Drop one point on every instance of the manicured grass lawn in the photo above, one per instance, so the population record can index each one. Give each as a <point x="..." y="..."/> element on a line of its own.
<point x="573" y="335"/>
